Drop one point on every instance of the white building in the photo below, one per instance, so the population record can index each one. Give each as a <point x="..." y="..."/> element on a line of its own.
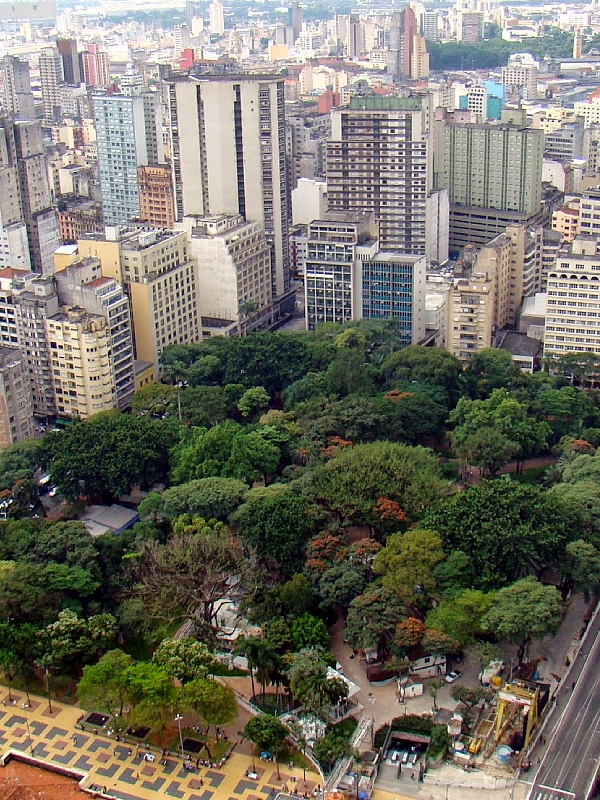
<point x="234" y="269"/>
<point x="228" y="155"/>
<point x="216" y="18"/>
<point x="309" y="201"/>
<point x="573" y="310"/>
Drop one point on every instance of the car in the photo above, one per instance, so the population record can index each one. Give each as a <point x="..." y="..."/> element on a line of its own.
<point x="52" y="492"/>
<point x="452" y="676"/>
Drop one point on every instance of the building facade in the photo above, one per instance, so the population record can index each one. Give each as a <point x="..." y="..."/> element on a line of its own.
<point x="16" y="404"/>
<point x="228" y="156"/>
<point x="157" y="199"/>
<point x="572" y="318"/>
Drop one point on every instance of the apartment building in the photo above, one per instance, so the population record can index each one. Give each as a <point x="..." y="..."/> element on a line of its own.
<point x="471" y="308"/>
<point x="80" y="358"/>
<point x="573" y="311"/>
<point x="348" y="277"/>
<point x="161" y="280"/>
<point x="228" y="157"/>
<point x="16" y="404"/>
<point x="51" y="79"/>
<point x="234" y="270"/>
<point x="565" y="220"/>
<point x="378" y="161"/>
<point x="80" y="284"/>
<point x="157" y="199"/>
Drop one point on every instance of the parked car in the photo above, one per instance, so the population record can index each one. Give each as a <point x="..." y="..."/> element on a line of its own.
<point x="452" y="676"/>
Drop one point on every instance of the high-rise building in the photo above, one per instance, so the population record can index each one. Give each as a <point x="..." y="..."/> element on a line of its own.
<point x="39" y="213"/>
<point x="469" y="26"/>
<point x="347" y="277"/>
<point x="377" y="160"/>
<point x="18" y="99"/>
<point x="70" y="61"/>
<point x="81" y="285"/>
<point x="470" y="308"/>
<point x="572" y="321"/>
<point x="181" y="40"/>
<point x="228" y="155"/>
<point x="82" y="369"/>
<point x="234" y="270"/>
<point x="295" y="19"/>
<point x="520" y="76"/>
<point x="129" y="135"/>
<point x="78" y="216"/>
<point x="354" y="45"/>
<point x="157" y="199"/>
<point x="493" y="174"/>
<point x="95" y="66"/>
<point x="16" y="404"/>
<point x="27" y="300"/>
<point x="403" y="29"/>
<point x="216" y="18"/>
<point x="51" y="78"/>
<point x="161" y="280"/>
<point x="25" y="200"/>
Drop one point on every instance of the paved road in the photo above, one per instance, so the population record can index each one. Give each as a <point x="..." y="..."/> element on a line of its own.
<point x="573" y="752"/>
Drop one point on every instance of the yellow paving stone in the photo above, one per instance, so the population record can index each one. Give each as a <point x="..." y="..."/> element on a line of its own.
<point x="106" y="764"/>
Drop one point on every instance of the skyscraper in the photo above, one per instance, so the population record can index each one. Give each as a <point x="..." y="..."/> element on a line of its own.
<point x="51" y="78"/>
<point x="216" y="18"/>
<point x="228" y="151"/>
<point x="402" y="32"/>
<point x="18" y="99"/>
<point x="95" y="66"/>
<point x="295" y="19"/>
<point x="70" y="61"/>
<point x="493" y="174"/>
<point x="377" y="160"/>
<point x="26" y="198"/>
<point x="128" y="128"/>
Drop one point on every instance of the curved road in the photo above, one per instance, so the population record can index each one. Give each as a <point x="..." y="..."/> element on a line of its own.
<point x="571" y="760"/>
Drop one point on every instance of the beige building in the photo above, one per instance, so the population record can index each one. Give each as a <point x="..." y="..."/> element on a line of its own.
<point x="80" y="352"/>
<point x="234" y="269"/>
<point x="565" y="220"/>
<point x="16" y="404"/>
<point x="573" y="302"/>
<point x="161" y="280"/>
<point x="470" y="323"/>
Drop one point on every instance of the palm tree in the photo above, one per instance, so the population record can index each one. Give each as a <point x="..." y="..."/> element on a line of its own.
<point x="245" y="311"/>
<point x="176" y="373"/>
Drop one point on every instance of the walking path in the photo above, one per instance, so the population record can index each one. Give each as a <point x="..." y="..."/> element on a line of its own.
<point x="117" y="770"/>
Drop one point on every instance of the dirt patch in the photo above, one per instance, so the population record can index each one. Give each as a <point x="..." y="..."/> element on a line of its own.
<point x="24" y="782"/>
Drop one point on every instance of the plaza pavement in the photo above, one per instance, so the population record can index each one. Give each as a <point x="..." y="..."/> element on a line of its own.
<point x="104" y="765"/>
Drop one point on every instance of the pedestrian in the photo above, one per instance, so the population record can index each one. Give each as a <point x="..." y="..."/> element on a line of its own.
<point x="543" y="740"/>
<point x="573" y="685"/>
<point x="104" y="790"/>
<point x="412" y="776"/>
<point x="197" y="763"/>
<point x="129" y="751"/>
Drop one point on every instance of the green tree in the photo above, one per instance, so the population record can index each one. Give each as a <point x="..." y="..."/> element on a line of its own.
<point x="489" y="369"/>
<point x="270" y="360"/>
<point x="253" y="402"/>
<point x="340" y="584"/>
<point x="254" y="455"/>
<point x="73" y="640"/>
<point x="461" y="617"/>
<point x="155" y="699"/>
<point x="469" y="696"/>
<point x="277" y="524"/>
<point x="309" y="631"/>
<point x="268" y="734"/>
<point x="309" y="683"/>
<point x="583" y="566"/>
<point x="104" y="686"/>
<point x="355" y="479"/>
<point x="430" y="365"/>
<point x="211" y="498"/>
<point x="407" y="563"/>
<point x="330" y="748"/>
<point x="488" y="449"/>
<point x="372" y="619"/>
<point x="524" y="611"/>
<point x="203" y="453"/>
<point x="153" y="401"/>
<point x="185" y="659"/>
<point x="106" y="455"/>
<point x="213" y="701"/>
<point x="508" y="529"/>
<point x="433" y="687"/>
<point x="19" y="461"/>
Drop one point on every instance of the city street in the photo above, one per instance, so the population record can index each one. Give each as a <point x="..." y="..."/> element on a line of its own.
<point x="569" y="761"/>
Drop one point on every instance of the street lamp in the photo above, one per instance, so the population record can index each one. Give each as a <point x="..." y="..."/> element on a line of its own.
<point x="178" y="719"/>
<point x="25" y="707"/>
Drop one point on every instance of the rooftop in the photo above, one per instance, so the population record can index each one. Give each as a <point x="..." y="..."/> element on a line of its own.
<point x="518" y="344"/>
